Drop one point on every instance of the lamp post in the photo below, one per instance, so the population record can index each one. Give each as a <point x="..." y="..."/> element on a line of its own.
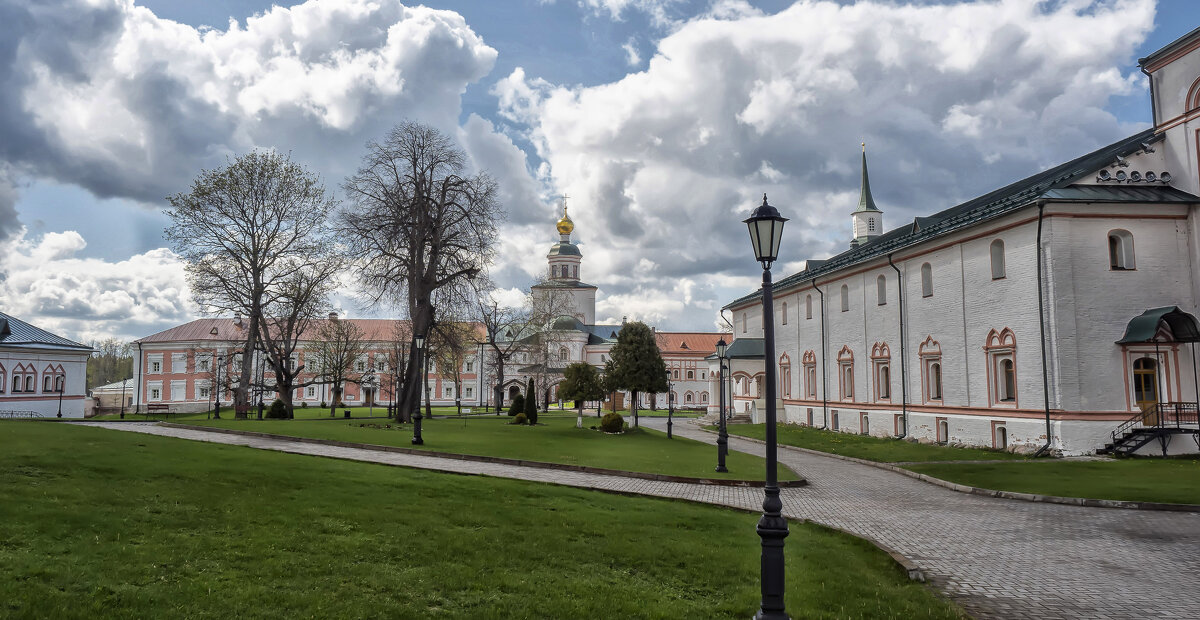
<point x="124" y="384"/>
<point x="62" y="382"/>
<point x="722" y="436"/>
<point x="766" y="230"/>
<point x="670" y="405"/>
<point x="420" y="344"/>
<point x="217" y="407"/>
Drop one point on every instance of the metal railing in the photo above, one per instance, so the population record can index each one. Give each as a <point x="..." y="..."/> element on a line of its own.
<point x="19" y="414"/>
<point x="1160" y="416"/>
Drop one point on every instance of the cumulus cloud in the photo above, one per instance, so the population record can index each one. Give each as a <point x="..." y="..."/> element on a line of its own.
<point x="952" y="100"/>
<point x="631" y="53"/>
<point x="108" y="96"/>
<point x="46" y="282"/>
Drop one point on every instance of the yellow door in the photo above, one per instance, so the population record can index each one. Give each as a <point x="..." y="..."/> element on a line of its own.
<point x="1145" y="388"/>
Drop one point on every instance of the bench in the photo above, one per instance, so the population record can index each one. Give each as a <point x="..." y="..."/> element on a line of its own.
<point x="162" y="408"/>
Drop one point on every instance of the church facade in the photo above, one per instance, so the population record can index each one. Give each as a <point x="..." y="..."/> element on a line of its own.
<point x="1053" y="314"/>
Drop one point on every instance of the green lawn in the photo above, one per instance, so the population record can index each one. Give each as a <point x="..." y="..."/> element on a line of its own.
<point x="1174" y="481"/>
<point x="879" y="449"/>
<point x="104" y="524"/>
<point x="554" y="440"/>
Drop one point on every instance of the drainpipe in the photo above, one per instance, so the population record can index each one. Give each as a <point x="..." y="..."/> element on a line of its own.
<point x="1153" y="107"/>
<point x="141" y="366"/>
<point x="824" y="387"/>
<point x="1041" y="205"/>
<point x="903" y="347"/>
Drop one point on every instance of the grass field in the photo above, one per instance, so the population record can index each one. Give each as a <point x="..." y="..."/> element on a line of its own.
<point x="1175" y="481"/>
<point x="554" y="440"/>
<point x="879" y="449"/>
<point x="103" y="524"/>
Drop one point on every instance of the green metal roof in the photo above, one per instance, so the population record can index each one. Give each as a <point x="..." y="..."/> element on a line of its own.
<point x="865" y="201"/>
<point x="1048" y="184"/>
<point x="564" y="249"/>
<point x="744" y="348"/>
<point x="1144" y="327"/>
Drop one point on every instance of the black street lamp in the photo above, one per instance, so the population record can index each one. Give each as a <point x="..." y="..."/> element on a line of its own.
<point x="766" y="231"/>
<point x="217" y="407"/>
<point x="124" y="384"/>
<point x="670" y="405"/>
<point x="723" y="435"/>
<point x="61" y="380"/>
<point x="420" y="344"/>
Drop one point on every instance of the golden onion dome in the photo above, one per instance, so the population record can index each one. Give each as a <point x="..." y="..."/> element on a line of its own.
<point x="565" y="225"/>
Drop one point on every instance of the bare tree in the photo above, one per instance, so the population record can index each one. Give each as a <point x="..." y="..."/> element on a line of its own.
<point x="338" y="346"/>
<point x="551" y="321"/>
<point x="451" y="343"/>
<point x="504" y="327"/>
<point x="111" y="361"/>
<point x="421" y="225"/>
<point x="242" y="231"/>
<point x="292" y="308"/>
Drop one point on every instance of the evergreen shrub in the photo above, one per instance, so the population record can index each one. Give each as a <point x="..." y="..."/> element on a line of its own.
<point x="278" y="410"/>
<point x="520" y="419"/>
<point x="517" y="405"/>
<point x="612" y="422"/>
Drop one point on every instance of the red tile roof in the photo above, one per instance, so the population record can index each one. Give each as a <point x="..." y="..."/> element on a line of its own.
<point x="233" y="330"/>
<point x="682" y="343"/>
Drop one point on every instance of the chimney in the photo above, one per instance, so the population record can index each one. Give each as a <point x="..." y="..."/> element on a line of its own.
<point x="237" y="319"/>
<point x="333" y="316"/>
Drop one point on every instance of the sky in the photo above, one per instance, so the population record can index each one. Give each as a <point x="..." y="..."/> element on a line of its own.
<point x="663" y="121"/>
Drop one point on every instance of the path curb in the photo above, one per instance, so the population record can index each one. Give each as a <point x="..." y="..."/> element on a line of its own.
<point x="490" y="459"/>
<point x="962" y="488"/>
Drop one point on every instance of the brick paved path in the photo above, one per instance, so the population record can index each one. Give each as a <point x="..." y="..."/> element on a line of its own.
<point x="997" y="558"/>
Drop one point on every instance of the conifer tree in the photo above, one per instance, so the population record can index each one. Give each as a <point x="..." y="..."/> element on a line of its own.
<point x="531" y="408"/>
<point x="637" y="363"/>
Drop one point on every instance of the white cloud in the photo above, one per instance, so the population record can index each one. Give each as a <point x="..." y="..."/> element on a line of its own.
<point x="952" y="100"/>
<point x="45" y="283"/>
<point x="631" y="52"/>
<point x="135" y="105"/>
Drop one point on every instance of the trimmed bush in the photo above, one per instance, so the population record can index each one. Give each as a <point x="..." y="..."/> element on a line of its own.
<point x="324" y="405"/>
<point x="519" y="419"/>
<point x="517" y="406"/>
<point x="612" y="422"/>
<point x="278" y="410"/>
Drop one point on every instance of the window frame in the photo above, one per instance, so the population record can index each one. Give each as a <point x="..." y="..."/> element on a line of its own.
<point x="926" y="280"/>
<point x="996" y="254"/>
<point x="881" y="290"/>
<point x="845" y="298"/>
<point x="1121" y="255"/>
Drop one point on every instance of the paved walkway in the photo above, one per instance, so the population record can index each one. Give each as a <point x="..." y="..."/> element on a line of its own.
<point x="997" y="558"/>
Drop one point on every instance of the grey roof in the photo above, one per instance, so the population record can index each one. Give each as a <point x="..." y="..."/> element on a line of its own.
<point x="1048" y="184"/>
<point x="127" y="384"/>
<point x="17" y="333"/>
<point x="744" y="348"/>
<point x="563" y="284"/>
<point x="564" y="249"/>
<point x="600" y="334"/>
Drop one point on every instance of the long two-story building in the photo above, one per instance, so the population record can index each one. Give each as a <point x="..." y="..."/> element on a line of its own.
<point x="1057" y="312"/>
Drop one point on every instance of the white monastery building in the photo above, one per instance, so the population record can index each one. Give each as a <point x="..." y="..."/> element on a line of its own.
<point x="1056" y="313"/>
<point x="176" y="369"/>
<point x="41" y="375"/>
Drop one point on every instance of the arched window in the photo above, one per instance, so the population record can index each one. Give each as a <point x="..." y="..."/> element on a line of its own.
<point x="563" y="353"/>
<point x="926" y="280"/>
<point x="691" y="374"/>
<point x="997" y="259"/>
<point x="675" y="374"/>
<point x="28" y="383"/>
<point x="885" y="382"/>
<point x="46" y="383"/>
<point x="704" y="397"/>
<point x="881" y="290"/>
<point x="3" y="378"/>
<point x="554" y="271"/>
<point x="575" y="271"/>
<point x="1120" y="250"/>
<point x="1008" y="383"/>
<point x="935" y="381"/>
<point x="808" y="306"/>
<point x="845" y="298"/>
<point x="743" y="322"/>
<point x="784" y="313"/>
<point x="687" y="398"/>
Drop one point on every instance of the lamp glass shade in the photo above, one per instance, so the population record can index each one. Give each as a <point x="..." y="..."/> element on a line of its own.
<point x="766" y="232"/>
<point x="721" y="347"/>
<point x="420" y="342"/>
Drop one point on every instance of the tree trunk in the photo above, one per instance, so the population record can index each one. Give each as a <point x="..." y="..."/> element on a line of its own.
<point x="633" y="406"/>
<point x="241" y="396"/>
<point x="425" y="387"/>
<point x="285" y="394"/>
<point x="337" y="396"/>
<point x="579" y="414"/>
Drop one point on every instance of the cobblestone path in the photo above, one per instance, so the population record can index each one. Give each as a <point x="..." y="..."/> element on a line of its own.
<point x="998" y="558"/>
